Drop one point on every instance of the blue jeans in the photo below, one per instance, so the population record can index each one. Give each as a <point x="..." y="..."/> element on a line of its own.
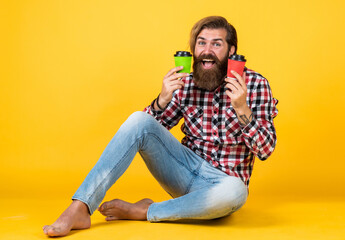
<point x="199" y="190"/>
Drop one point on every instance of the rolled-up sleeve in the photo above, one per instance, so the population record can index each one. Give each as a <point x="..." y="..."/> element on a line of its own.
<point x="260" y="134"/>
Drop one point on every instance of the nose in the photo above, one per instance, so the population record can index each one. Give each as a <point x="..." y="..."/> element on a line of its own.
<point x="208" y="49"/>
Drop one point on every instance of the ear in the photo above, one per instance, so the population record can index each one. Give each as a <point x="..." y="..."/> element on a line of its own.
<point x="232" y="50"/>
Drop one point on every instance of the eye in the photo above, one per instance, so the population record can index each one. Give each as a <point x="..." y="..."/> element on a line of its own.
<point x="217" y="44"/>
<point x="201" y="43"/>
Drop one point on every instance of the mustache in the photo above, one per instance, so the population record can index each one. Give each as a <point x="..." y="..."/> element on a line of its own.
<point x="200" y="58"/>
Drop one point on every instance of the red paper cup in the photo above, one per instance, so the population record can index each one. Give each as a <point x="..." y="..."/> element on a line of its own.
<point x="236" y="63"/>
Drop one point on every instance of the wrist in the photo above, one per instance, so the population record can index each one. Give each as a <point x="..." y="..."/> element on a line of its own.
<point x="243" y="110"/>
<point x="244" y="115"/>
<point x="161" y="104"/>
<point x="162" y="101"/>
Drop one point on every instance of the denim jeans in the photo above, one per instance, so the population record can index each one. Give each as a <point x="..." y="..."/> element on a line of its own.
<point x="199" y="190"/>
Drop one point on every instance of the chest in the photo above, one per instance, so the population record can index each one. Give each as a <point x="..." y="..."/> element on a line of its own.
<point x="211" y="117"/>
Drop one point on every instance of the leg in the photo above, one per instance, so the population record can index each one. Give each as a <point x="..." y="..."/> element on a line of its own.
<point x="139" y="133"/>
<point x="200" y="190"/>
<point x="206" y="201"/>
<point x="213" y="195"/>
<point x="204" y="191"/>
<point x="162" y="152"/>
<point x="173" y="165"/>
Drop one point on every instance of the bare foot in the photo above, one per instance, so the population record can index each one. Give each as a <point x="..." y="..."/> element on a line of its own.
<point x="117" y="209"/>
<point x="76" y="216"/>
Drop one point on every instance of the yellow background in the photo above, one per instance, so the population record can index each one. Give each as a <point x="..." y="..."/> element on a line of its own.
<point x="72" y="71"/>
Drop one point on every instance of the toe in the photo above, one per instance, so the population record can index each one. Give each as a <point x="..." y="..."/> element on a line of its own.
<point x="108" y="212"/>
<point x="45" y="229"/>
<point x="111" y="218"/>
<point x="48" y="230"/>
<point x="102" y="207"/>
<point x="54" y="232"/>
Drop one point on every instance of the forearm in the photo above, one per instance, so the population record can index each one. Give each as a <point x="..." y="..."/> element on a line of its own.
<point x="244" y="115"/>
<point x="260" y="137"/>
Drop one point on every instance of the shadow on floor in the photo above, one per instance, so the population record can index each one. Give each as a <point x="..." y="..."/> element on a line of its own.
<point x="244" y="218"/>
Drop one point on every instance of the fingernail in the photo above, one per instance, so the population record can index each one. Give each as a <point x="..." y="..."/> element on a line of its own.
<point x="232" y="71"/>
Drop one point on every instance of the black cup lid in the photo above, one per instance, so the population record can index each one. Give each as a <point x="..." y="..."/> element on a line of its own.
<point x="237" y="58"/>
<point x="182" y="54"/>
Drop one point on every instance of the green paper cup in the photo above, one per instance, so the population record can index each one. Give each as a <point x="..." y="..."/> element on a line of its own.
<point x="183" y="58"/>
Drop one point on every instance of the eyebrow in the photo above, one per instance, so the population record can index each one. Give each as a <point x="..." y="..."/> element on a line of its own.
<point x="216" y="39"/>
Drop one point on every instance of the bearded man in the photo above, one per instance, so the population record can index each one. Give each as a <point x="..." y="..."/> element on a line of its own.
<point x="227" y="123"/>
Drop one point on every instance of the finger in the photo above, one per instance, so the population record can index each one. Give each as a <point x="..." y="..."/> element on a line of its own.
<point x="232" y="87"/>
<point x="236" y="84"/>
<point x="228" y="79"/>
<point x="173" y="70"/>
<point x="169" y="88"/>
<point x="180" y="75"/>
<point x="244" y="78"/>
<point x="229" y="93"/>
<point x="177" y="76"/>
<point x="176" y="81"/>
<point x="175" y="87"/>
<point x="238" y="77"/>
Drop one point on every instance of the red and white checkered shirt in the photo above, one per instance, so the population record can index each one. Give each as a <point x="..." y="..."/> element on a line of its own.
<point x="212" y="129"/>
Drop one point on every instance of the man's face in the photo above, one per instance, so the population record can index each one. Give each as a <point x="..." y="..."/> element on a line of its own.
<point x="210" y="58"/>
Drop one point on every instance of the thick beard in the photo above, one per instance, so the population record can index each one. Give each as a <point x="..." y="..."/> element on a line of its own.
<point x="209" y="79"/>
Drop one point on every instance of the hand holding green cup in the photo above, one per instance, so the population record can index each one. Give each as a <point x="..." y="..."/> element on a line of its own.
<point x="183" y="58"/>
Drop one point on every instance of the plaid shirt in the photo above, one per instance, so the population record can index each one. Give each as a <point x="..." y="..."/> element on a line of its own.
<point x="212" y="129"/>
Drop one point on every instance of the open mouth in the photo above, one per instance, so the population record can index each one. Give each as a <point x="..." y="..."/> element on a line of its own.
<point x="208" y="63"/>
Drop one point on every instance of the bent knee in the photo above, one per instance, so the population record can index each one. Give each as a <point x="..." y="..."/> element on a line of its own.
<point x="139" y="119"/>
<point x="227" y="196"/>
<point x="138" y="116"/>
<point x="140" y="122"/>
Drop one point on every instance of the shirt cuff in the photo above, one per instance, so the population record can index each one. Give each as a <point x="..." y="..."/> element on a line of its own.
<point x="251" y="128"/>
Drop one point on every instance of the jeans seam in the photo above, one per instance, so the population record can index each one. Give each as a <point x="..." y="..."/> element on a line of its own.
<point x="210" y="180"/>
<point x="168" y="151"/>
<point x="196" y="174"/>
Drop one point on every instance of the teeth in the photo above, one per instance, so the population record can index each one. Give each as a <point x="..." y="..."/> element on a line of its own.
<point x="208" y="60"/>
